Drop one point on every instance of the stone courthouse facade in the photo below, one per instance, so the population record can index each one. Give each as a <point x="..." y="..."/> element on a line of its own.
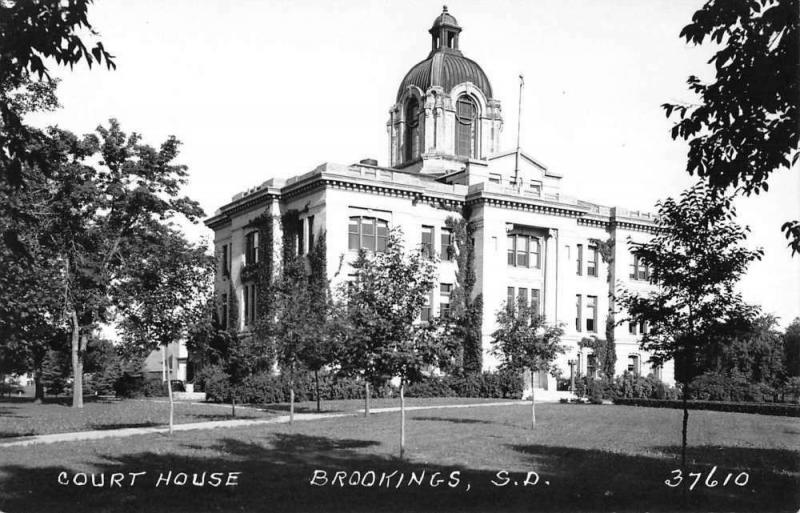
<point x="530" y="241"/>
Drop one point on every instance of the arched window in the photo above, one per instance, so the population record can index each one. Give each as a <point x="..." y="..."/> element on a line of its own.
<point x="412" y="130"/>
<point x="466" y="127"/>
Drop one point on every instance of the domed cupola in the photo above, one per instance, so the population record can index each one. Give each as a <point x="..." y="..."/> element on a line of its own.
<point x="444" y="115"/>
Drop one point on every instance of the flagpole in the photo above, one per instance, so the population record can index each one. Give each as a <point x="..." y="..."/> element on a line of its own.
<point x="519" y="126"/>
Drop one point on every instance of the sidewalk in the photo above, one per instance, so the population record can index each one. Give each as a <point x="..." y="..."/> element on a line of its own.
<point x="282" y="419"/>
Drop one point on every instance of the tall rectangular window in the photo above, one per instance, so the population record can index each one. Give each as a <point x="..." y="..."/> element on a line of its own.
<point x="632" y="328"/>
<point x="445" y="289"/>
<point x="510" y="298"/>
<point x="578" y="307"/>
<point x="522" y="297"/>
<point x="223" y="318"/>
<point x="657" y="372"/>
<point x="251" y="248"/>
<point x="579" y="260"/>
<point x="591" y="314"/>
<point x="226" y="270"/>
<point x="633" y="364"/>
<point x="512" y="259"/>
<point x="536" y="301"/>
<point x="447" y="244"/>
<point x="591" y="366"/>
<point x="638" y="269"/>
<point x="301" y="239"/>
<point x="426" y="244"/>
<point x="591" y="264"/>
<point x="536" y="253"/>
<point x="246" y="297"/>
<point x="522" y="243"/>
<point x="310" y="244"/>
<point x="425" y="313"/>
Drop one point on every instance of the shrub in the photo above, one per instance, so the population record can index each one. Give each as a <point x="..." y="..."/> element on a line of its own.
<point x="786" y="410"/>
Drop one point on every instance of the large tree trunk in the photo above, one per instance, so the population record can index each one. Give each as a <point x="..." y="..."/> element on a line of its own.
<point x="402" y="420"/>
<point x="316" y="385"/>
<point x="78" y="341"/>
<point x="38" y="395"/>
<point x="169" y="392"/>
<point x="683" y="441"/>
<point x="366" y="398"/>
<point x="533" y="405"/>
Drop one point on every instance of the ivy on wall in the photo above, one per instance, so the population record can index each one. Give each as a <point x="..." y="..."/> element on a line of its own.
<point x="609" y="359"/>
<point x="466" y="310"/>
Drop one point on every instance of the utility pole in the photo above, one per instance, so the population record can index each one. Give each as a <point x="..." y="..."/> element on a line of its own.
<point x="519" y="125"/>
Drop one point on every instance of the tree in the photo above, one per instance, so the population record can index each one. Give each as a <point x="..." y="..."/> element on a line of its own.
<point x="106" y="217"/>
<point x="696" y="258"/>
<point x="384" y="301"/>
<point x="31" y="32"/>
<point x="791" y="348"/>
<point x="523" y="341"/>
<point x="746" y="125"/>
<point x="163" y="292"/>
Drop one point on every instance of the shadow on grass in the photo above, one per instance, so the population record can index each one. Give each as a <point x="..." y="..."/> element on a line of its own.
<point x="284" y="408"/>
<point x="15" y="434"/>
<point x="455" y="420"/>
<point x="277" y="468"/>
<point x="123" y="425"/>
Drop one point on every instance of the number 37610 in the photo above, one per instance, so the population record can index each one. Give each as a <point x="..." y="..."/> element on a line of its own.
<point x="711" y="479"/>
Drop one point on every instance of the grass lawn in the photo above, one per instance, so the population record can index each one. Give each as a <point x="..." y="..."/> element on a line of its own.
<point x="21" y="417"/>
<point x="595" y="458"/>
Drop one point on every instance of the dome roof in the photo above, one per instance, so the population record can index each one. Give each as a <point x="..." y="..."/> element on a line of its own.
<point x="444" y="19"/>
<point x="446" y="70"/>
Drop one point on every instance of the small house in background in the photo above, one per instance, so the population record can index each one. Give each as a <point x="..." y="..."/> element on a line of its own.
<point x="175" y="358"/>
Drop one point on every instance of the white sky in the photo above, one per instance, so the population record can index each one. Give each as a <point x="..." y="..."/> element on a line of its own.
<point x="256" y="89"/>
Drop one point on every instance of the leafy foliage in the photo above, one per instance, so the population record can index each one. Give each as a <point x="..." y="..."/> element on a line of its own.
<point x="383" y="338"/>
<point x="696" y="259"/>
<point x="524" y="341"/>
<point x="746" y="125"/>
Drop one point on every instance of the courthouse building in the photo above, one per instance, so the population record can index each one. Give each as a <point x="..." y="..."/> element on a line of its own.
<point x="532" y="241"/>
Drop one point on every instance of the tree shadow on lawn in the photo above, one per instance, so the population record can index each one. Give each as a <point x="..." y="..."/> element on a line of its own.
<point x="621" y="480"/>
<point x="284" y="408"/>
<point x="454" y="420"/>
<point x="277" y="468"/>
<point x="124" y="425"/>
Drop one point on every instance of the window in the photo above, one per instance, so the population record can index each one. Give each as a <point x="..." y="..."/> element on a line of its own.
<point x="426" y="244"/>
<point x="657" y="372"/>
<point x="536" y="187"/>
<point x="251" y="248"/>
<point x="494" y="177"/>
<point x="310" y="245"/>
<point x="412" y="130"/>
<point x="524" y="251"/>
<point x="638" y="269"/>
<point x="510" y="298"/>
<point x="536" y="253"/>
<point x="226" y="268"/>
<point x="445" y="289"/>
<point x="368" y="233"/>
<point x="578" y="304"/>
<point x="425" y="313"/>
<point x="591" y="366"/>
<point x="223" y="318"/>
<point x="466" y="127"/>
<point x="591" y="314"/>
<point x="447" y="244"/>
<point x="643" y="327"/>
<point x="633" y="364"/>
<point x="249" y="293"/>
<point x="580" y="259"/>
<point x="632" y="328"/>
<point x="522" y="297"/>
<point x="591" y="265"/>
<point x="536" y="301"/>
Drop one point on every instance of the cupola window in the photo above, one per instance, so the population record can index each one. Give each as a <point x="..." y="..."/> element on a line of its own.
<point x="466" y="127"/>
<point x="412" y="130"/>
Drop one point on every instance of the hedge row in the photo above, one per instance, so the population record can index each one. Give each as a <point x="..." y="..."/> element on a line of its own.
<point x="627" y="386"/>
<point x="267" y="388"/>
<point x="783" y="409"/>
<point x="492" y="385"/>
